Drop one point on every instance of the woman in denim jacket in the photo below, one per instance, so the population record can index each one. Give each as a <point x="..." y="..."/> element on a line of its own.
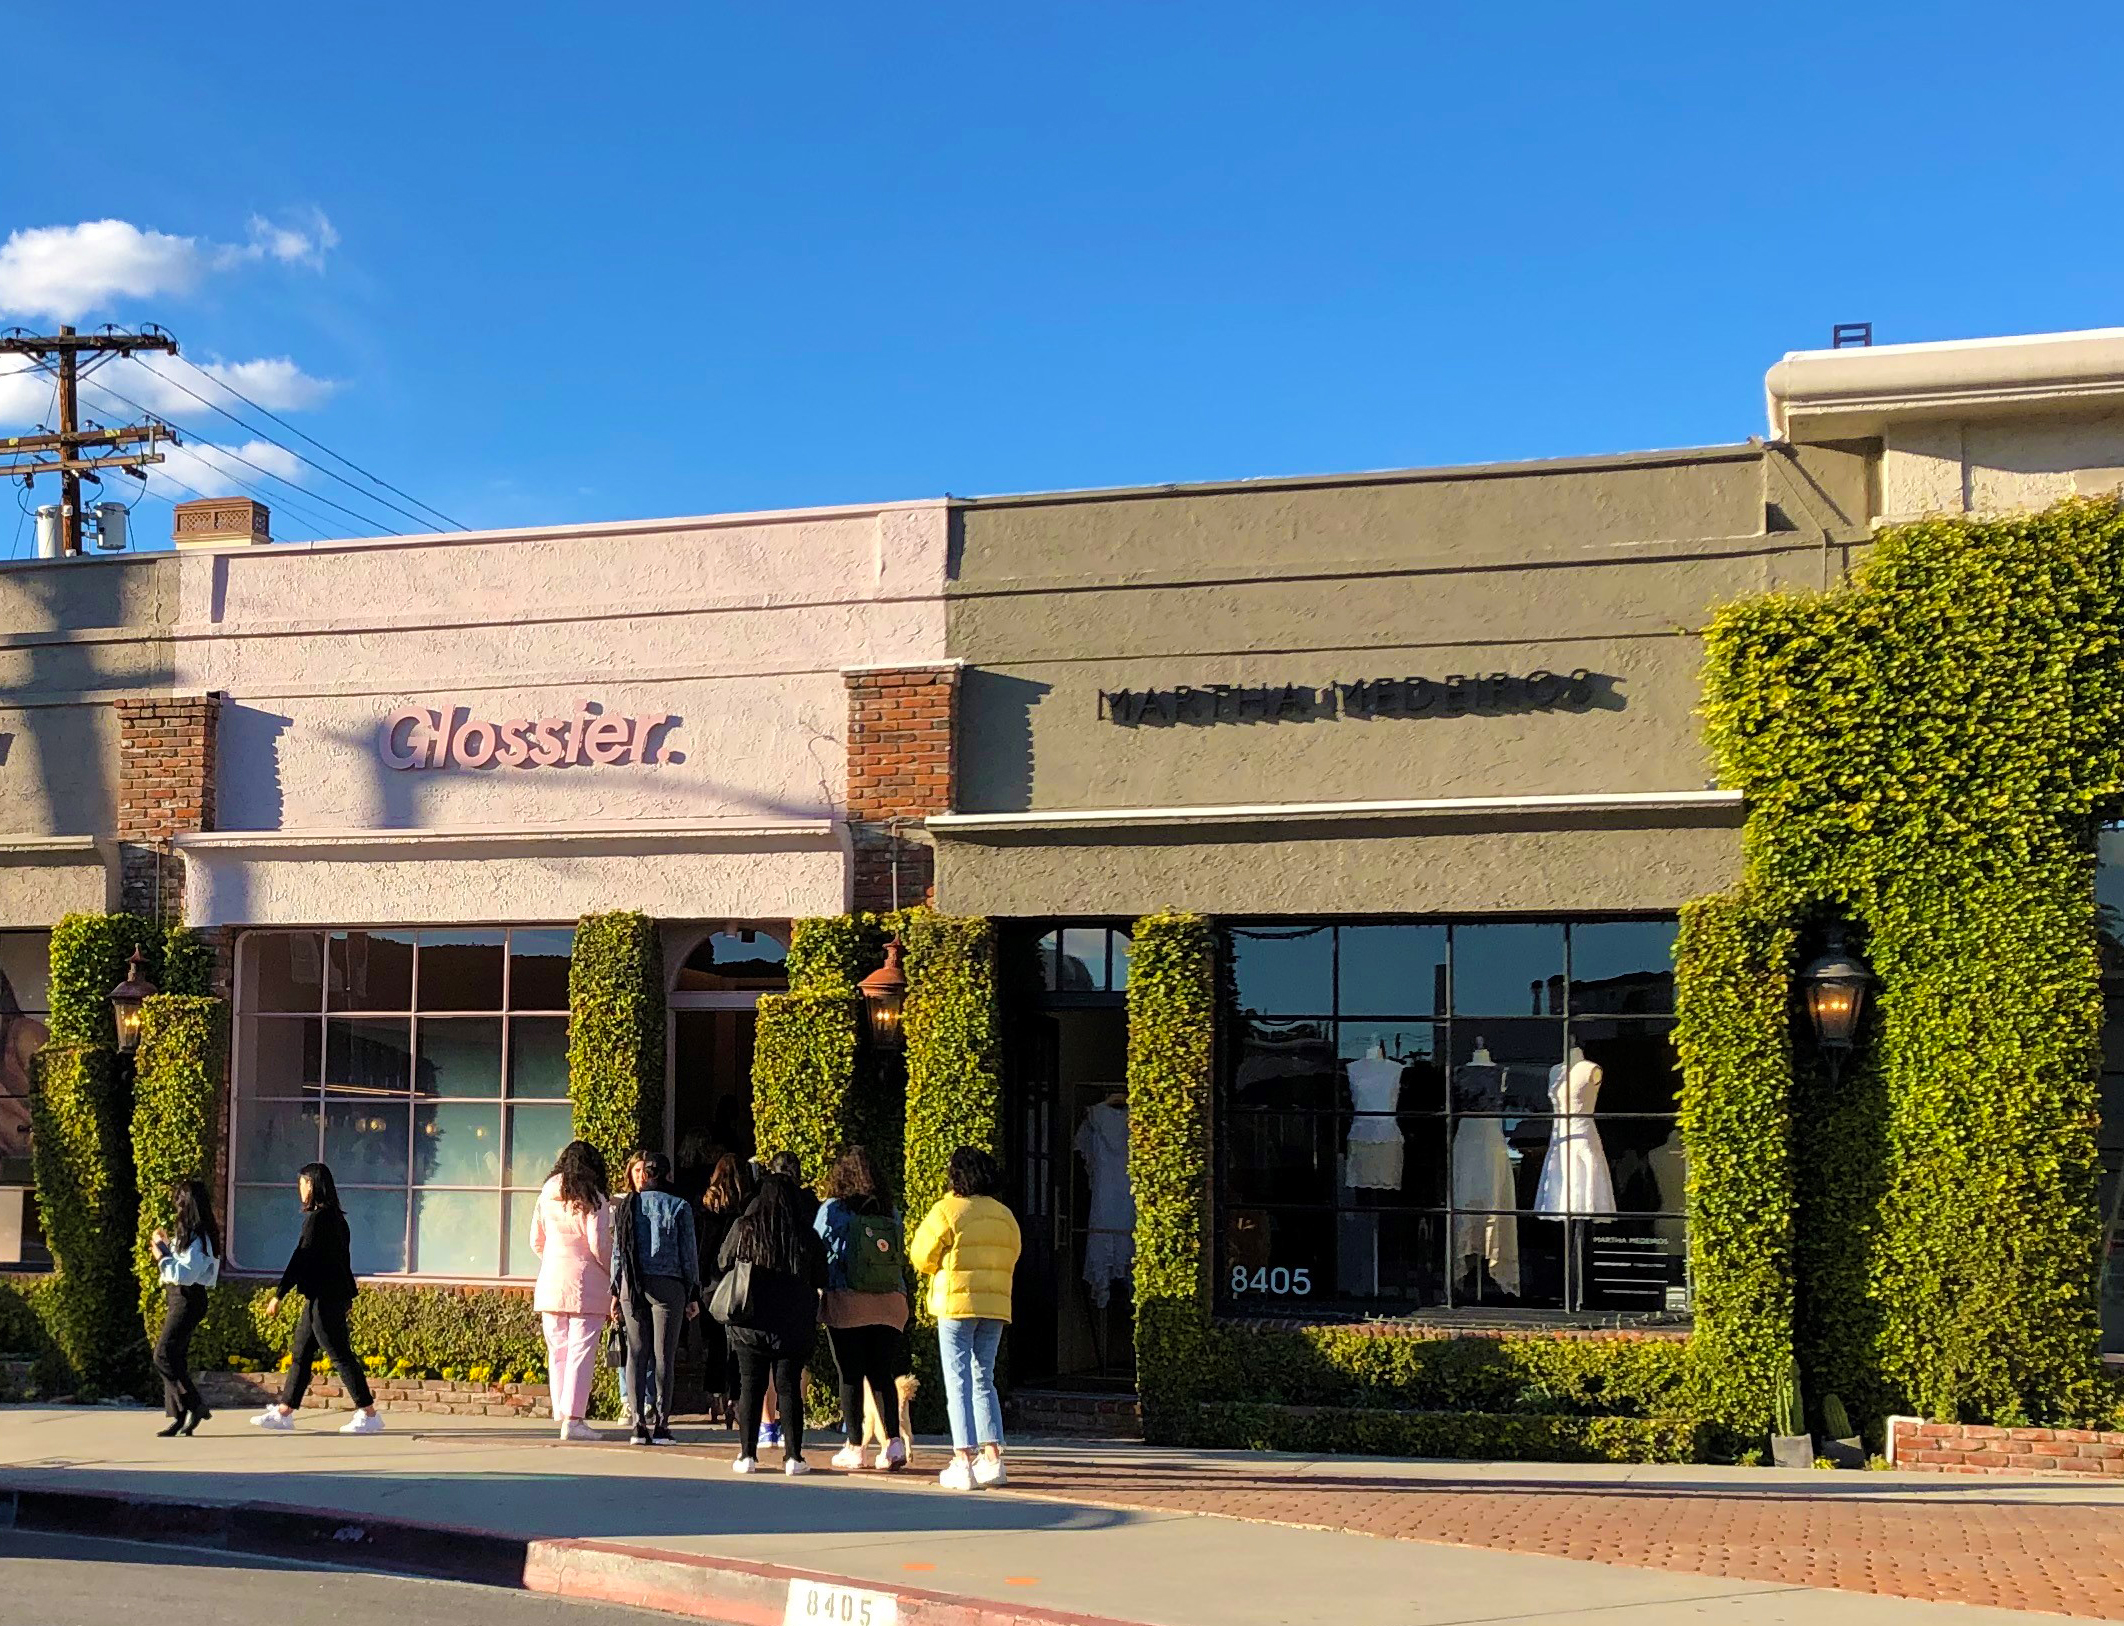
<point x="656" y="1287"/>
<point x="187" y="1264"/>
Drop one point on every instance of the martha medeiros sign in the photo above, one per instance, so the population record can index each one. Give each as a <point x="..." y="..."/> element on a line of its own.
<point x="1484" y="694"/>
<point x="451" y="736"/>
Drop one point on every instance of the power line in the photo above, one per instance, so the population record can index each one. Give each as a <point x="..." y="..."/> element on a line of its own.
<point x="314" y="441"/>
<point x="315" y="496"/>
<point x="61" y="353"/>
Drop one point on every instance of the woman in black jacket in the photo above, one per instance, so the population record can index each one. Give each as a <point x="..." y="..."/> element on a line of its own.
<point x="773" y="1329"/>
<point x="321" y="1269"/>
<point x="730" y="1193"/>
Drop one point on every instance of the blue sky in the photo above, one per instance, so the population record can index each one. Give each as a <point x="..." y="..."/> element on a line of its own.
<point x="539" y="263"/>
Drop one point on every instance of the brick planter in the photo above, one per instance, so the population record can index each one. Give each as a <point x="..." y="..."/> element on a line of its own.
<point x="1972" y="1448"/>
<point x="439" y="1395"/>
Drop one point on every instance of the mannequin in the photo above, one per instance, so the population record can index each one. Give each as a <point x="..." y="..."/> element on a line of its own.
<point x="1374" y="1150"/>
<point x="1575" y="1180"/>
<point x="1110" y="1239"/>
<point x="1482" y="1179"/>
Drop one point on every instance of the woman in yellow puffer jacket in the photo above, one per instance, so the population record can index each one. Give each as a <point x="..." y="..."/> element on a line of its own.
<point x="968" y="1245"/>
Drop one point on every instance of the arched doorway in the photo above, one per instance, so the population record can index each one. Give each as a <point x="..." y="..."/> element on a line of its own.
<point x="712" y="1000"/>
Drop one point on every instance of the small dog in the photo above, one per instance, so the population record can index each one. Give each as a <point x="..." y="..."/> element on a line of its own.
<point x="908" y="1386"/>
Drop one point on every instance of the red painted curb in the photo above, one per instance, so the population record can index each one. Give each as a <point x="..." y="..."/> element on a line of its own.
<point x="728" y="1591"/>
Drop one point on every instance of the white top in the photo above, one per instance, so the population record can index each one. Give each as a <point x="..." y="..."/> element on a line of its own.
<point x="1375" y="1084"/>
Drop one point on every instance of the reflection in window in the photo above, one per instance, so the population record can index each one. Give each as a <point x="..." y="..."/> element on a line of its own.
<point x="1457" y="1116"/>
<point x="428" y="1068"/>
<point x="25" y="971"/>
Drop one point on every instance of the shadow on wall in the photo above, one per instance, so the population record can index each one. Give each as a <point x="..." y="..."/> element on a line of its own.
<point x="250" y="799"/>
<point x="995" y="765"/>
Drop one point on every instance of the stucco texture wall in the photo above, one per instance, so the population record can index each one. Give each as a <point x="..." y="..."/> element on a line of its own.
<point x="739" y="628"/>
<point x="1612" y="571"/>
<point x="1998" y="465"/>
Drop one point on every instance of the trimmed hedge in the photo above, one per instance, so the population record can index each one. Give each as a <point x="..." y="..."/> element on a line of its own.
<point x="1172" y="1022"/>
<point x="187" y="964"/>
<point x="176" y="1128"/>
<point x="90" y="954"/>
<point x="81" y="1151"/>
<point x="1927" y="753"/>
<point x="1454" y="1435"/>
<point x="1732" y="992"/>
<point x="804" y="1075"/>
<point x="616" y="1033"/>
<point x="954" y="1050"/>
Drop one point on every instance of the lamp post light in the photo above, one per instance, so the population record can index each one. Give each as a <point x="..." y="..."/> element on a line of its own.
<point x="127" y="1001"/>
<point x="884" y="997"/>
<point x="1835" y="984"/>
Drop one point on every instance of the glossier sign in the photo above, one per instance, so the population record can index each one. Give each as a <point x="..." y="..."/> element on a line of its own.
<point x="451" y="735"/>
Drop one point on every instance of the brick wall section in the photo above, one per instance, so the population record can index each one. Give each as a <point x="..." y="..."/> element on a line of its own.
<point x="166" y="768"/>
<point x="1971" y="1448"/>
<point x="902" y="726"/>
<point x="238" y="1389"/>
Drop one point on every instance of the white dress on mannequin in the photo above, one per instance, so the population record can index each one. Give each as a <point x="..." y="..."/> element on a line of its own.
<point x="1373" y="1154"/>
<point x="1110" y="1239"/>
<point x="1482" y="1180"/>
<point x="1575" y="1179"/>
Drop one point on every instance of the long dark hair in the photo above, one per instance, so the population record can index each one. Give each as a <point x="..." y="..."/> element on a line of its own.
<point x="324" y="1193"/>
<point x="583" y="1181"/>
<point x="730" y="1187"/>
<point x="855" y="1174"/>
<point x="195" y="1215"/>
<point x="769" y="1233"/>
<point x="656" y="1171"/>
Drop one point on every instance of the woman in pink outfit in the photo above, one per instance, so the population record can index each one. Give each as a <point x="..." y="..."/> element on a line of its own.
<point x="571" y="1232"/>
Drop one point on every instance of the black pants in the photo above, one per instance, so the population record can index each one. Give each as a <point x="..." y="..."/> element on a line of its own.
<point x="323" y="1325"/>
<point x="868" y="1355"/>
<point x="754" y="1365"/>
<point x="186" y="1308"/>
<point x="653" y="1324"/>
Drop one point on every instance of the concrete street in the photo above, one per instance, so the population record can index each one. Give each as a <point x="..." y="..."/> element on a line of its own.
<point x="1057" y="1541"/>
<point x="72" y="1581"/>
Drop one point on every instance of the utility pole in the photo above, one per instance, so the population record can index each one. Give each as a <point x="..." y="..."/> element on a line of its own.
<point x="60" y="353"/>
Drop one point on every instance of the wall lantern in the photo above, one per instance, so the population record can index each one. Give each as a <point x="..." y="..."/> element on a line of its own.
<point x="884" y="995"/>
<point x="1834" y="985"/>
<point x="126" y="1002"/>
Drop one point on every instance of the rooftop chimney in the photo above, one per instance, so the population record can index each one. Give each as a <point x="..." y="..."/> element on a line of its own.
<point x="220" y="522"/>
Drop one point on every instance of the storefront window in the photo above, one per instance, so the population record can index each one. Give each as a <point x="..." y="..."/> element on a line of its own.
<point x="1431" y="1116"/>
<point x="428" y="1068"/>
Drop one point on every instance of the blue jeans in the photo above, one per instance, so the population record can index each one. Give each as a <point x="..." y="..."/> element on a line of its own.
<point x="969" y="1351"/>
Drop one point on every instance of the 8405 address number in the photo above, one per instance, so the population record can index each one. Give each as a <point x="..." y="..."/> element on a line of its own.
<point x="1280" y="1283"/>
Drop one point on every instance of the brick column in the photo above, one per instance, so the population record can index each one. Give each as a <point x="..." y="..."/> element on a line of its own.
<point x="901" y="725"/>
<point x="165" y="787"/>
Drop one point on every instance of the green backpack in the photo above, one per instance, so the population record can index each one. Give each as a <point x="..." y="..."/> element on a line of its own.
<point x="877" y="1262"/>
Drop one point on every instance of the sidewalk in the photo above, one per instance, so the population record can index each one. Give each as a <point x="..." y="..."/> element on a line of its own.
<point x="1115" y="1533"/>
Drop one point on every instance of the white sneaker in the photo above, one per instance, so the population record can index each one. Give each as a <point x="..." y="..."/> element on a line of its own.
<point x="849" y="1457"/>
<point x="577" y="1432"/>
<point x="276" y="1420"/>
<point x="365" y="1422"/>
<point x="796" y="1467"/>
<point x="894" y="1457"/>
<point x="956" y="1477"/>
<point x="988" y="1472"/>
<point x="745" y="1465"/>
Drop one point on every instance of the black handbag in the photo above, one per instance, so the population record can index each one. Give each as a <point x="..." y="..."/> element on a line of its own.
<point x="616" y="1346"/>
<point x="731" y="1303"/>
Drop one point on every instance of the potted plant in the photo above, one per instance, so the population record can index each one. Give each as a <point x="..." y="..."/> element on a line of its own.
<point x="1843" y="1447"/>
<point x="1790" y="1445"/>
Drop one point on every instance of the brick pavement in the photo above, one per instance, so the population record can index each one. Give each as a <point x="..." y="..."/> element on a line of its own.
<point x="1953" y="1544"/>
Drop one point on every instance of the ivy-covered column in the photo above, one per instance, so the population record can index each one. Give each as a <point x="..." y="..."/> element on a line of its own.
<point x="178" y="1072"/>
<point x="806" y="1051"/>
<point x="81" y="1111"/>
<point x="1172" y="1015"/>
<point x="616" y="1033"/>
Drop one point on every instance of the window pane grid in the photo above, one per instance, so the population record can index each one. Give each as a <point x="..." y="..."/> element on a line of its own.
<point x="416" y="1066"/>
<point x="1510" y="1007"/>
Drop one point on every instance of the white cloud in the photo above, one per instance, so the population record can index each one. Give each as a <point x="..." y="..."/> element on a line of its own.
<point x="25" y="396"/>
<point x="272" y="381"/>
<point x="215" y="470"/>
<point x="61" y="273"/>
<point x="158" y="383"/>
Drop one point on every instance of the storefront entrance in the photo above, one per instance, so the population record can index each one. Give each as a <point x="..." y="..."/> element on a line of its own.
<point x="713" y="1002"/>
<point x="1067" y="1126"/>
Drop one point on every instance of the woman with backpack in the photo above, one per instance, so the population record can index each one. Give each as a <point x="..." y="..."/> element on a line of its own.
<point x="968" y="1246"/>
<point x="768" y="1303"/>
<point x="866" y="1301"/>
<point x="656" y="1287"/>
